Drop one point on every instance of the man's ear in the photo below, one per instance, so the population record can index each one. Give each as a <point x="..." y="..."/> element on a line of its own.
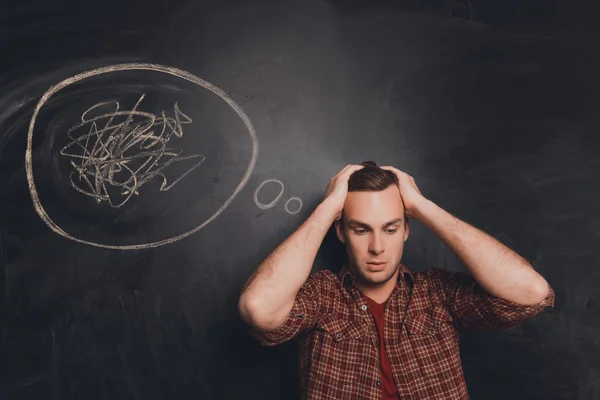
<point x="406" y="227"/>
<point x="339" y="230"/>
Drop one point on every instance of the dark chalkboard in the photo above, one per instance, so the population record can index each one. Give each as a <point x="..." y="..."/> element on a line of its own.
<point x="153" y="153"/>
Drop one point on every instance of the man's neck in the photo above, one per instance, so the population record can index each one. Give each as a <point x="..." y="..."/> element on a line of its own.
<point x="378" y="293"/>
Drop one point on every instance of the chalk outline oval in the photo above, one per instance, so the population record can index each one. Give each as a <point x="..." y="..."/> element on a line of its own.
<point x="272" y="204"/>
<point x="299" y="200"/>
<point x="133" y="67"/>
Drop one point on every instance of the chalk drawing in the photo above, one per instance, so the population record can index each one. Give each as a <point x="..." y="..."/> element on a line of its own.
<point x="132" y="186"/>
<point x="287" y="203"/>
<point x="124" y="150"/>
<point x="263" y="206"/>
<point x="272" y="204"/>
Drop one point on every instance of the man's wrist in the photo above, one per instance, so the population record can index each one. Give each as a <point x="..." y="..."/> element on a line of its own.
<point x="423" y="210"/>
<point x="325" y="211"/>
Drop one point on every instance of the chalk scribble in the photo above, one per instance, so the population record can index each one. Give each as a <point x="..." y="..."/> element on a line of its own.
<point x="121" y="150"/>
<point x="133" y="68"/>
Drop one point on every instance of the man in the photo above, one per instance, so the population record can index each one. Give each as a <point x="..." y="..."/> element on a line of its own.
<point x="375" y="330"/>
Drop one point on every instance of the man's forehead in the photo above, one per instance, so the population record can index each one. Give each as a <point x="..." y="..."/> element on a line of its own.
<point x="390" y="193"/>
<point x="373" y="203"/>
<point x="371" y="222"/>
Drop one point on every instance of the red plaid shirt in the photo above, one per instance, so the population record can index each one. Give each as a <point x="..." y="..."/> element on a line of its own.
<point x="339" y="344"/>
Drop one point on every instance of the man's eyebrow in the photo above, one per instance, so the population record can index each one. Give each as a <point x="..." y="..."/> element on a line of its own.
<point x="359" y="223"/>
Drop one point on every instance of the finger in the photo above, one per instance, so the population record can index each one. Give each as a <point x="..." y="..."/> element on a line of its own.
<point x="345" y="177"/>
<point x="331" y="179"/>
<point x="393" y="170"/>
<point x="396" y="171"/>
<point x="341" y="172"/>
<point x="345" y="173"/>
<point x="346" y="168"/>
<point x="352" y="169"/>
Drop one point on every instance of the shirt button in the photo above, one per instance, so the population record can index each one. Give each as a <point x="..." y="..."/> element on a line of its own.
<point x="339" y="335"/>
<point x="431" y="328"/>
<point x="292" y="314"/>
<point x="378" y="383"/>
<point x="364" y="307"/>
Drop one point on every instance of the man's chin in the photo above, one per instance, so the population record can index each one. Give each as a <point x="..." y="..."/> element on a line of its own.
<point x="376" y="277"/>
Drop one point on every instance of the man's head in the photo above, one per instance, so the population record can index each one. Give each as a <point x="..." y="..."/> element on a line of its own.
<point x="373" y="224"/>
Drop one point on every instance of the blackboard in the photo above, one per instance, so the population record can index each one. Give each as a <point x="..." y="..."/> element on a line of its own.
<point x="120" y="270"/>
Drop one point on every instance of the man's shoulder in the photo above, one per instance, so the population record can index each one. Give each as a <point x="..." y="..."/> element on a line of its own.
<point x="432" y="272"/>
<point x="436" y="283"/>
<point x="435" y="279"/>
<point x="323" y="277"/>
<point x="325" y="281"/>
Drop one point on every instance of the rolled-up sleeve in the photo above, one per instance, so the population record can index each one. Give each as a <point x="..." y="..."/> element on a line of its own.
<point x="302" y="317"/>
<point x="475" y="309"/>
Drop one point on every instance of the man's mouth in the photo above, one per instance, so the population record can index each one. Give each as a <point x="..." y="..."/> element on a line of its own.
<point x="377" y="266"/>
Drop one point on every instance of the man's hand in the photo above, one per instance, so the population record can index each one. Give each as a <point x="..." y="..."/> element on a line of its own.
<point x="410" y="193"/>
<point x="337" y="190"/>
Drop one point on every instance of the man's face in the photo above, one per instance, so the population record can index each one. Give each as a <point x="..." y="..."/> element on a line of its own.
<point x="374" y="230"/>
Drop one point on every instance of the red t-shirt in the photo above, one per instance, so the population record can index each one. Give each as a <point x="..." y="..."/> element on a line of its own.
<point x="389" y="390"/>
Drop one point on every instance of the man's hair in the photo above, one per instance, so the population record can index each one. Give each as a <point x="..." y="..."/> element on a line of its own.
<point x="371" y="178"/>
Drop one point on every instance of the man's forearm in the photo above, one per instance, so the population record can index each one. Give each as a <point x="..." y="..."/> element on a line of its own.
<point x="498" y="269"/>
<point x="269" y="293"/>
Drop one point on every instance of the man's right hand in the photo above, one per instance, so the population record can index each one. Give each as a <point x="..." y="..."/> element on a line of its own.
<point x="337" y="190"/>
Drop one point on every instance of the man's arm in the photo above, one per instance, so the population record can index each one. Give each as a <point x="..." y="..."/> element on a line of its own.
<point x="472" y="308"/>
<point x="303" y="316"/>
<point x="499" y="270"/>
<point x="269" y="294"/>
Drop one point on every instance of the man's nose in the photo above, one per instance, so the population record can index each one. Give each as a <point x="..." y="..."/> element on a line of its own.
<point x="376" y="244"/>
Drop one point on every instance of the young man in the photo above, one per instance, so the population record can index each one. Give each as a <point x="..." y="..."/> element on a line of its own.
<point x="375" y="330"/>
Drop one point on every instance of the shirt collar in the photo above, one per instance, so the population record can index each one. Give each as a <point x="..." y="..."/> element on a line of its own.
<point x="346" y="275"/>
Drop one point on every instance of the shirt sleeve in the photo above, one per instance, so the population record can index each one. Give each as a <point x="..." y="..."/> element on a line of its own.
<point x="302" y="317"/>
<point x="475" y="309"/>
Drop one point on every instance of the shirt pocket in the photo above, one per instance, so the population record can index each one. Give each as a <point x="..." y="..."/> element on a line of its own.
<point x="429" y="322"/>
<point x="434" y="343"/>
<point x="341" y="355"/>
<point x="343" y="330"/>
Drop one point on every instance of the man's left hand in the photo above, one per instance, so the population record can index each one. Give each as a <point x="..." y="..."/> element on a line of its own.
<point x="410" y="193"/>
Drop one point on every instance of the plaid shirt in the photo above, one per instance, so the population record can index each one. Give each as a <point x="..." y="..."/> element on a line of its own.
<point x="339" y="344"/>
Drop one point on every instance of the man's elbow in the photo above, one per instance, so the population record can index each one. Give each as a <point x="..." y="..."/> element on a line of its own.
<point x="540" y="291"/>
<point x="531" y="295"/>
<point x="254" y="315"/>
<point x="248" y="310"/>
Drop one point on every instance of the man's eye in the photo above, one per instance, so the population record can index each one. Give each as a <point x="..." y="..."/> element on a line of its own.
<point x="362" y="231"/>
